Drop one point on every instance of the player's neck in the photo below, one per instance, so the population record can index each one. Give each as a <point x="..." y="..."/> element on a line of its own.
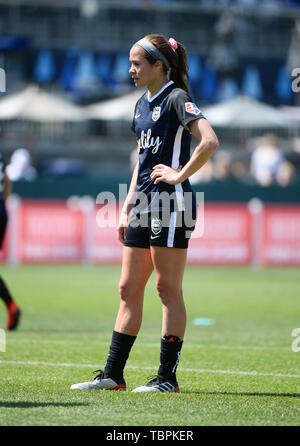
<point x="156" y="86"/>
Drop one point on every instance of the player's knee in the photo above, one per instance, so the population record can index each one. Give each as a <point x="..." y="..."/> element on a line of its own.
<point x="129" y="294"/>
<point x="167" y="290"/>
<point x="124" y="290"/>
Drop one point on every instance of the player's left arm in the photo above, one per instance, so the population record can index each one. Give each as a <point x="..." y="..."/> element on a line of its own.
<point x="6" y="186"/>
<point x="207" y="144"/>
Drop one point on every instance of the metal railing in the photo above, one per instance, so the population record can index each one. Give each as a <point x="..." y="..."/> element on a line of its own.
<point x="115" y="25"/>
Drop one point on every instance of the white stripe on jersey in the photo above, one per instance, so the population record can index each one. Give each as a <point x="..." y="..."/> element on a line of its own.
<point x="160" y="91"/>
<point x="175" y="165"/>
<point x="172" y="228"/>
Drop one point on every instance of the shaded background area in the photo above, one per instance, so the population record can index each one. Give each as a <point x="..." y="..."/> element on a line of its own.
<point x="63" y="60"/>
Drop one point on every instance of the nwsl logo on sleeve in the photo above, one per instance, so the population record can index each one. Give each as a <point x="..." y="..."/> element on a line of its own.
<point x="192" y="108"/>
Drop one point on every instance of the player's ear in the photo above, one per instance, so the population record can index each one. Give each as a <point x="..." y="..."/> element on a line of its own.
<point x="158" y="64"/>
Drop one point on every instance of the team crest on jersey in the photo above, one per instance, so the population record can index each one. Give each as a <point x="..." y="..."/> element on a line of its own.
<point x="156" y="225"/>
<point x="192" y="108"/>
<point x="156" y="113"/>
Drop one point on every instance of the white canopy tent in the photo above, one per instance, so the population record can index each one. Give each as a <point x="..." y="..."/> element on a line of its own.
<point x="11" y="106"/>
<point x="244" y="112"/>
<point x="121" y="108"/>
<point x="33" y="104"/>
<point x="291" y="112"/>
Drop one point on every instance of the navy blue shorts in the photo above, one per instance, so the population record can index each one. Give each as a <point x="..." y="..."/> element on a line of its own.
<point x="159" y="229"/>
<point x="3" y="221"/>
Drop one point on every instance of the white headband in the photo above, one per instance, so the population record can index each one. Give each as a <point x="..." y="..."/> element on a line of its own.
<point x="153" y="51"/>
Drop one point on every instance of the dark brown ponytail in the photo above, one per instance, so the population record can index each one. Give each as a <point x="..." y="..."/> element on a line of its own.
<point x="177" y="59"/>
<point x="180" y="73"/>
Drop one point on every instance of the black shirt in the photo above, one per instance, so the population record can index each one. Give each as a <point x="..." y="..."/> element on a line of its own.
<point x="160" y="125"/>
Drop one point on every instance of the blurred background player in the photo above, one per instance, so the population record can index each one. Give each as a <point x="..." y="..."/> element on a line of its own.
<point x="13" y="310"/>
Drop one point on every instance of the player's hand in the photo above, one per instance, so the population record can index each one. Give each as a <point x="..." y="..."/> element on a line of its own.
<point x="122" y="227"/>
<point x="165" y="174"/>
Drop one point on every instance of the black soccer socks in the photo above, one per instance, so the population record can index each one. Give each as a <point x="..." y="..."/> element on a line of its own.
<point x="169" y="357"/>
<point x="120" y="347"/>
<point x="5" y="294"/>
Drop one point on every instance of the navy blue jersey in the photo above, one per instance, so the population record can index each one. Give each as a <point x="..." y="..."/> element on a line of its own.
<point x="160" y="125"/>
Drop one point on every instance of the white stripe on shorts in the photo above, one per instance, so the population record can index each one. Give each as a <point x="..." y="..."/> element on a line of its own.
<point x="172" y="228"/>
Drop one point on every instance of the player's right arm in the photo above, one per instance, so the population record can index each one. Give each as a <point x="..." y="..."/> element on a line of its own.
<point x="127" y="206"/>
<point x="6" y="186"/>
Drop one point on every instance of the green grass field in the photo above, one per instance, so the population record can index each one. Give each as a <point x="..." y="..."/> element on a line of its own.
<point x="241" y="370"/>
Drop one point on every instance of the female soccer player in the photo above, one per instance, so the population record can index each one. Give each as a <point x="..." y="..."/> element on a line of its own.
<point x="158" y="215"/>
<point x="13" y="310"/>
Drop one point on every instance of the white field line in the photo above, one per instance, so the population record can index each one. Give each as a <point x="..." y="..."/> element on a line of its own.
<point x="95" y="366"/>
<point x="146" y="345"/>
